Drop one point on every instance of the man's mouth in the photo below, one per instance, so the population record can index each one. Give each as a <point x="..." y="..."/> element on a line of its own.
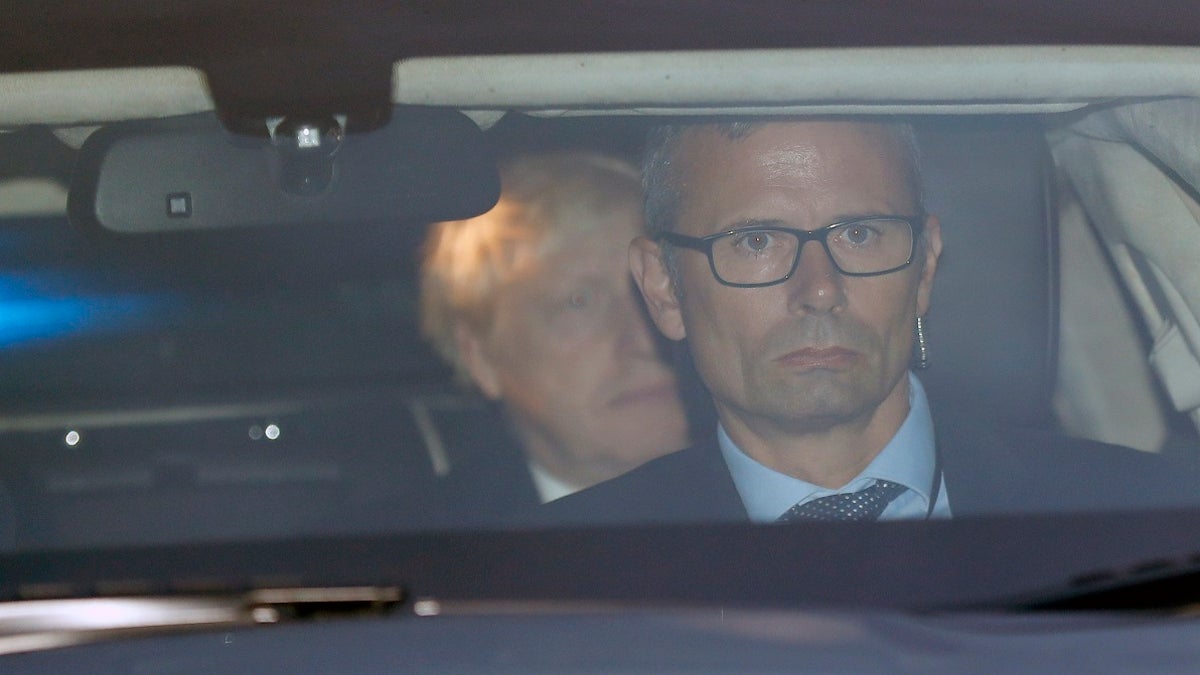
<point x="817" y="358"/>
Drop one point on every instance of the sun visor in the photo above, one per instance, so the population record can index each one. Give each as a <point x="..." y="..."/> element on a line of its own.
<point x="190" y="173"/>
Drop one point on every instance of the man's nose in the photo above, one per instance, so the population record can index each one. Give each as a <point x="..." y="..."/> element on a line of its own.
<point x="816" y="286"/>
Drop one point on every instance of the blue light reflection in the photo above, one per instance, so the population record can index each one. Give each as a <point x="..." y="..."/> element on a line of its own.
<point x="32" y="310"/>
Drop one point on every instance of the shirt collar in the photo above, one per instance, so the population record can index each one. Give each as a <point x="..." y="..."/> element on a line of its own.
<point x="909" y="459"/>
<point x="549" y="487"/>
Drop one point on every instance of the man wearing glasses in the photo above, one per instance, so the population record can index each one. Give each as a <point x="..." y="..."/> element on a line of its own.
<point x="796" y="259"/>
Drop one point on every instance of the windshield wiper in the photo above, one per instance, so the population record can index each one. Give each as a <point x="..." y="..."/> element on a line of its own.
<point x="32" y="625"/>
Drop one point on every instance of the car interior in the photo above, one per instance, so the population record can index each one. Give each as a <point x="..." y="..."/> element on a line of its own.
<point x="225" y="445"/>
<point x="1041" y="192"/>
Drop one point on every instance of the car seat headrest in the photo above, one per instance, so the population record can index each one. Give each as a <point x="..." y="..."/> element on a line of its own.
<point x="992" y="325"/>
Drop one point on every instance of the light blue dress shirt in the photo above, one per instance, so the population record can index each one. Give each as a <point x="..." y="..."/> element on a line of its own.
<point x="908" y="459"/>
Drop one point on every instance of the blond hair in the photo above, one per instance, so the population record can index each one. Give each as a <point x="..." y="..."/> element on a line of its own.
<point x="544" y="199"/>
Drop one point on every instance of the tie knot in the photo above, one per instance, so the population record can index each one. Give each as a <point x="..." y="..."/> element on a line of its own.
<point x="865" y="505"/>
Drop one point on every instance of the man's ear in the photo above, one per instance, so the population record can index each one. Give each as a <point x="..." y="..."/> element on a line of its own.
<point x="658" y="288"/>
<point x="933" y="250"/>
<point x="479" y="366"/>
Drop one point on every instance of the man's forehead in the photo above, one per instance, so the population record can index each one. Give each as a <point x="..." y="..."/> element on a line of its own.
<point x="788" y="141"/>
<point x="790" y="162"/>
<point x="795" y="152"/>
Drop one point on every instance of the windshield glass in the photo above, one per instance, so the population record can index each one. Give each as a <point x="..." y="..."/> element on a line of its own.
<point x="393" y="377"/>
<point x="764" y="319"/>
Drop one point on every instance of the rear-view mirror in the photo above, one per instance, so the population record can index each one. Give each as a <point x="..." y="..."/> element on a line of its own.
<point x="190" y="173"/>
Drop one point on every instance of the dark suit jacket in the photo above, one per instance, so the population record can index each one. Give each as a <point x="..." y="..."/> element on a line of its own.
<point x="985" y="471"/>
<point x="489" y="486"/>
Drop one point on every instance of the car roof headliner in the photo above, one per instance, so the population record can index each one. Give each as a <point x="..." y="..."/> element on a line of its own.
<point x="94" y="33"/>
<point x="913" y="80"/>
<point x="259" y="59"/>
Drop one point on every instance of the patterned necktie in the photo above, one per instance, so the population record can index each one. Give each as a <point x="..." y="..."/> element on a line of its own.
<point x="866" y="504"/>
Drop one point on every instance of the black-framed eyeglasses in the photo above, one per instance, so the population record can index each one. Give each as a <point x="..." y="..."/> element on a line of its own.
<point x="751" y="257"/>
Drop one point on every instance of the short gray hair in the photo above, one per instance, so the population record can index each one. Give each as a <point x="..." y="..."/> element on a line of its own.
<point x="660" y="180"/>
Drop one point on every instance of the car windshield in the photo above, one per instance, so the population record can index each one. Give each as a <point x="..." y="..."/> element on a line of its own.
<point x="495" y="293"/>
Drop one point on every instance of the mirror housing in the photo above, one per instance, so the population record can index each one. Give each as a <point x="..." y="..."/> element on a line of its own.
<point x="189" y="173"/>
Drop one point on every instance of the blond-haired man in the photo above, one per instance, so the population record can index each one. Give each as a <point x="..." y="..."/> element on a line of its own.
<point x="533" y="304"/>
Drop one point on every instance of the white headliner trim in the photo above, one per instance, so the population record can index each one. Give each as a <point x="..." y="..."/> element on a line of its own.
<point x="861" y="80"/>
<point x="826" y="109"/>
<point x="88" y="96"/>
<point x="954" y="79"/>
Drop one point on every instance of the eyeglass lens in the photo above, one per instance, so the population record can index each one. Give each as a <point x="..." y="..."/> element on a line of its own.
<point x="760" y="256"/>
